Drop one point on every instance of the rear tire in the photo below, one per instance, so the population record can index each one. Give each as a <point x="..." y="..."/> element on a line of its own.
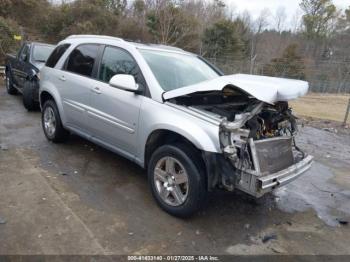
<point x="9" y="86"/>
<point x="28" y="96"/>
<point x="177" y="194"/>
<point x="51" y="123"/>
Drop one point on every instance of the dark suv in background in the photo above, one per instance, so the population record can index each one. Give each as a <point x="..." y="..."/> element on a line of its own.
<point x="22" y="71"/>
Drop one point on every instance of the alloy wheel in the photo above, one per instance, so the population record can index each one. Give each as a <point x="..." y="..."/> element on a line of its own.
<point x="49" y="121"/>
<point x="171" y="181"/>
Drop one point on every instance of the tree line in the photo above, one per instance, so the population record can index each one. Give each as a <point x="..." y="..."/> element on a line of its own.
<point x="314" y="47"/>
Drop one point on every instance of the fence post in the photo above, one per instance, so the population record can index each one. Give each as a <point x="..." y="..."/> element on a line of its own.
<point x="347" y="113"/>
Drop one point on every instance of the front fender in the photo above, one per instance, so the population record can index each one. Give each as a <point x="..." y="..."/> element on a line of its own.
<point x="32" y="74"/>
<point x="157" y="116"/>
<point x="194" y="133"/>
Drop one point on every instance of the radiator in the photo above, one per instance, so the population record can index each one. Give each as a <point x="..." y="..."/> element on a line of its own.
<point x="274" y="154"/>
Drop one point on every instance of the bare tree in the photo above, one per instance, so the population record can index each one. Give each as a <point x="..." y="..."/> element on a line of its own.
<point x="280" y="19"/>
<point x="260" y="24"/>
<point x="230" y="10"/>
<point x="296" y="21"/>
<point x="169" y="22"/>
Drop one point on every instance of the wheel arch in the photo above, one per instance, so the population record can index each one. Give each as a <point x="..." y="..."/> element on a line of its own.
<point x="32" y="77"/>
<point x="161" y="137"/>
<point x="45" y="95"/>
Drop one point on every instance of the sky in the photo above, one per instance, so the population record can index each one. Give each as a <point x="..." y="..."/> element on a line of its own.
<point x="291" y="6"/>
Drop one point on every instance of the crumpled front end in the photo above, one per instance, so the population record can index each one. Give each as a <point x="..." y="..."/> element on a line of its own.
<point x="257" y="141"/>
<point x="261" y="147"/>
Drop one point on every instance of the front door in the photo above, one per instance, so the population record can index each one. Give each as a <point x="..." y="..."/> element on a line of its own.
<point x="114" y="112"/>
<point x="20" y="72"/>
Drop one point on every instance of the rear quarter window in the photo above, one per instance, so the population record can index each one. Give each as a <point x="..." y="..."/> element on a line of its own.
<point x="56" y="55"/>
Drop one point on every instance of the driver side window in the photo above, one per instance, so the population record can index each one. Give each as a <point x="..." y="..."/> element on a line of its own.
<point x="24" y="56"/>
<point x="117" y="61"/>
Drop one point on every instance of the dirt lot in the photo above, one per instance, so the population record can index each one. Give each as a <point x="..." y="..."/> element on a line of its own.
<point x="77" y="198"/>
<point x="322" y="106"/>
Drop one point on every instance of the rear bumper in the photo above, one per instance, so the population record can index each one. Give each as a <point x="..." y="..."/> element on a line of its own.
<point x="283" y="177"/>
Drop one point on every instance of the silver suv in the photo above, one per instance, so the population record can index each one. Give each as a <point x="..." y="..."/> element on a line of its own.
<point x="176" y="115"/>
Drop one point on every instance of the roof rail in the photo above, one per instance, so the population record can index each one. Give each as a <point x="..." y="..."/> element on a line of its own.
<point x="168" y="47"/>
<point x="95" y="36"/>
<point x="160" y="46"/>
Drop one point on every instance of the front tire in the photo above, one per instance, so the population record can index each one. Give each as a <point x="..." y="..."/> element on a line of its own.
<point x="9" y="86"/>
<point x="28" y="96"/>
<point x="51" y="123"/>
<point x="177" y="180"/>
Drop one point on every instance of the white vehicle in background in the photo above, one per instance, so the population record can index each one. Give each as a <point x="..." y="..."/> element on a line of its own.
<point x="173" y="113"/>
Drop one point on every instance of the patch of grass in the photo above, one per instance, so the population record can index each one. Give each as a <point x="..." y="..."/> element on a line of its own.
<point x="322" y="106"/>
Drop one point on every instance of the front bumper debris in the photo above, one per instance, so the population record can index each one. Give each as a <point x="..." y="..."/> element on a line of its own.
<point x="257" y="184"/>
<point x="275" y="165"/>
<point x="270" y="182"/>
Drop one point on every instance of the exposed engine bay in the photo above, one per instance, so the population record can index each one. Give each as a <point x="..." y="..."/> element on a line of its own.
<point x="256" y="137"/>
<point x="260" y="119"/>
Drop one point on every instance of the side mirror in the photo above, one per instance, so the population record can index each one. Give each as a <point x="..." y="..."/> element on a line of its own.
<point x="125" y="82"/>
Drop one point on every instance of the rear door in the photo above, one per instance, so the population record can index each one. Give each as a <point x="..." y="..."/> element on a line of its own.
<point x="115" y="112"/>
<point x="75" y="83"/>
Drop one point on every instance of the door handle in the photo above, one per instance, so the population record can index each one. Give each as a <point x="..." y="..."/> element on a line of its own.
<point x="62" y="78"/>
<point x="96" y="90"/>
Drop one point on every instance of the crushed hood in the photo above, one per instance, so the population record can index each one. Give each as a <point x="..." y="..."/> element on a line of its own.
<point x="263" y="88"/>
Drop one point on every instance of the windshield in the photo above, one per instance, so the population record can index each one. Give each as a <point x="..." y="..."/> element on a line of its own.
<point x="41" y="52"/>
<point x="175" y="70"/>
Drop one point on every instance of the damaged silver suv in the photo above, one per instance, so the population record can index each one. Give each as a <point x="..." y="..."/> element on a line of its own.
<point x="176" y="115"/>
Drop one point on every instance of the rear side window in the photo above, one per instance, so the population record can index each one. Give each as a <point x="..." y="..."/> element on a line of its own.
<point x="56" y="55"/>
<point x="82" y="59"/>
